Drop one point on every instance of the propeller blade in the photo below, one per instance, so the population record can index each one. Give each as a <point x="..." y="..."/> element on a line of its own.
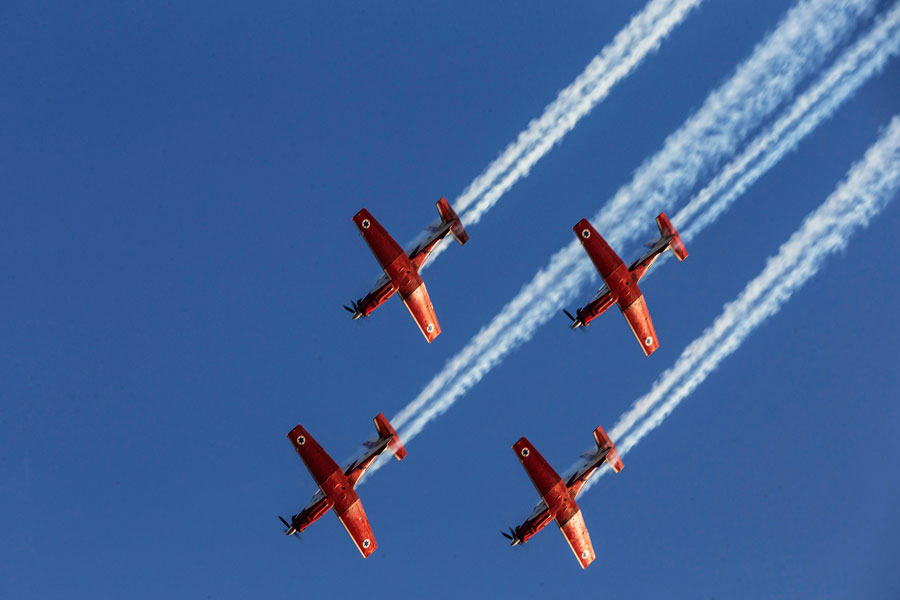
<point x="568" y="314"/>
<point x="290" y="529"/>
<point x="506" y="535"/>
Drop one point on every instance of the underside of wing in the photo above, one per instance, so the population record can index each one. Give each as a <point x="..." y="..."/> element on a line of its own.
<point x="357" y="525"/>
<point x="604" y="258"/>
<point x="576" y="534"/>
<point x="320" y="465"/>
<point x="383" y="246"/>
<point x="542" y="475"/>
<point x="419" y="305"/>
<point x="638" y="318"/>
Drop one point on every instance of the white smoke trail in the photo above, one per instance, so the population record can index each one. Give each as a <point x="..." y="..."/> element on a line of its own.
<point x="807" y="33"/>
<point x="713" y="132"/>
<point x="864" y="59"/>
<point x="642" y="36"/>
<point x="868" y="187"/>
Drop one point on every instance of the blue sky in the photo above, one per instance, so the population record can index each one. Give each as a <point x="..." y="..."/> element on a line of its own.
<point x="176" y="243"/>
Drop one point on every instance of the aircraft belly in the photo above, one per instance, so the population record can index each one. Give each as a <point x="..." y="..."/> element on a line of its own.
<point x="376" y="297"/>
<point x="344" y="498"/>
<point x="534" y="524"/>
<point x="403" y="275"/>
<point x="623" y="286"/>
<point x="561" y="505"/>
<point x="312" y="513"/>
<point x="596" y="307"/>
<point x="339" y="491"/>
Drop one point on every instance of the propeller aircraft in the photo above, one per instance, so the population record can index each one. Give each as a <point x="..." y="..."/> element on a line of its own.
<point x="401" y="270"/>
<point x="621" y="282"/>
<point x="558" y="496"/>
<point x="336" y="484"/>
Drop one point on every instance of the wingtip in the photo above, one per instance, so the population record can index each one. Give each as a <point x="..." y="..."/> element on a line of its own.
<point x="580" y="224"/>
<point x="430" y="336"/>
<point x="368" y="550"/>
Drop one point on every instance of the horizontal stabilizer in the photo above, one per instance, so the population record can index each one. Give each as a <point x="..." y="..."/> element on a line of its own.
<point x="665" y="230"/>
<point x="612" y="457"/>
<point x="449" y="216"/>
<point x="384" y="429"/>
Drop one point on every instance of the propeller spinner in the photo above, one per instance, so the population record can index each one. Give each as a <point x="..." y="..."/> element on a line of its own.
<point x="514" y="539"/>
<point x="357" y="313"/>
<point x="290" y="529"/>
<point x="576" y="323"/>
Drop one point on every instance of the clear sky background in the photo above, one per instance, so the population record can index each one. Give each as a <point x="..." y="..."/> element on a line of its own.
<point x="176" y="187"/>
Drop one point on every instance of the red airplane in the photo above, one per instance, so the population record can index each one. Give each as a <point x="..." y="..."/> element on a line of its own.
<point x="621" y="282"/>
<point x="558" y="497"/>
<point x="401" y="271"/>
<point x="336" y="485"/>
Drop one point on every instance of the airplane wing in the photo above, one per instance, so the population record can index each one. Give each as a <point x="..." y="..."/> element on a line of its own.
<point x="419" y="306"/>
<point x="403" y="275"/>
<point x="320" y="465"/>
<point x="357" y="525"/>
<point x="604" y="258"/>
<point x="539" y="470"/>
<point x="383" y="246"/>
<point x="553" y="492"/>
<point x="639" y="320"/>
<point x="576" y="534"/>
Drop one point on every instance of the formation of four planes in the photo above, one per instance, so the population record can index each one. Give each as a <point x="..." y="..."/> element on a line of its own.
<point x="401" y="275"/>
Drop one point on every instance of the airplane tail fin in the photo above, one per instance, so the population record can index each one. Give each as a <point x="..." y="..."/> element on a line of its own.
<point x="456" y="226"/>
<point x="612" y="457"/>
<point x="665" y="230"/>
<point x="385" y="430"/>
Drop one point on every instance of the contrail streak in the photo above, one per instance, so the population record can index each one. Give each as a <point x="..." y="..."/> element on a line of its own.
<point x="865" y="58"/>
<point x="866" y="190"/>
<point x="642" y="36"/>
<point x="714" y="131"/>
<point x="808" y="32"/>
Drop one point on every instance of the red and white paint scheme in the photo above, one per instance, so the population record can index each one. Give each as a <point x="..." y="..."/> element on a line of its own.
<point x="336" y="484"/>
<point x="401" y="270"/>
<point x="558" y="496"/>
<point x="621" y="282"/>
